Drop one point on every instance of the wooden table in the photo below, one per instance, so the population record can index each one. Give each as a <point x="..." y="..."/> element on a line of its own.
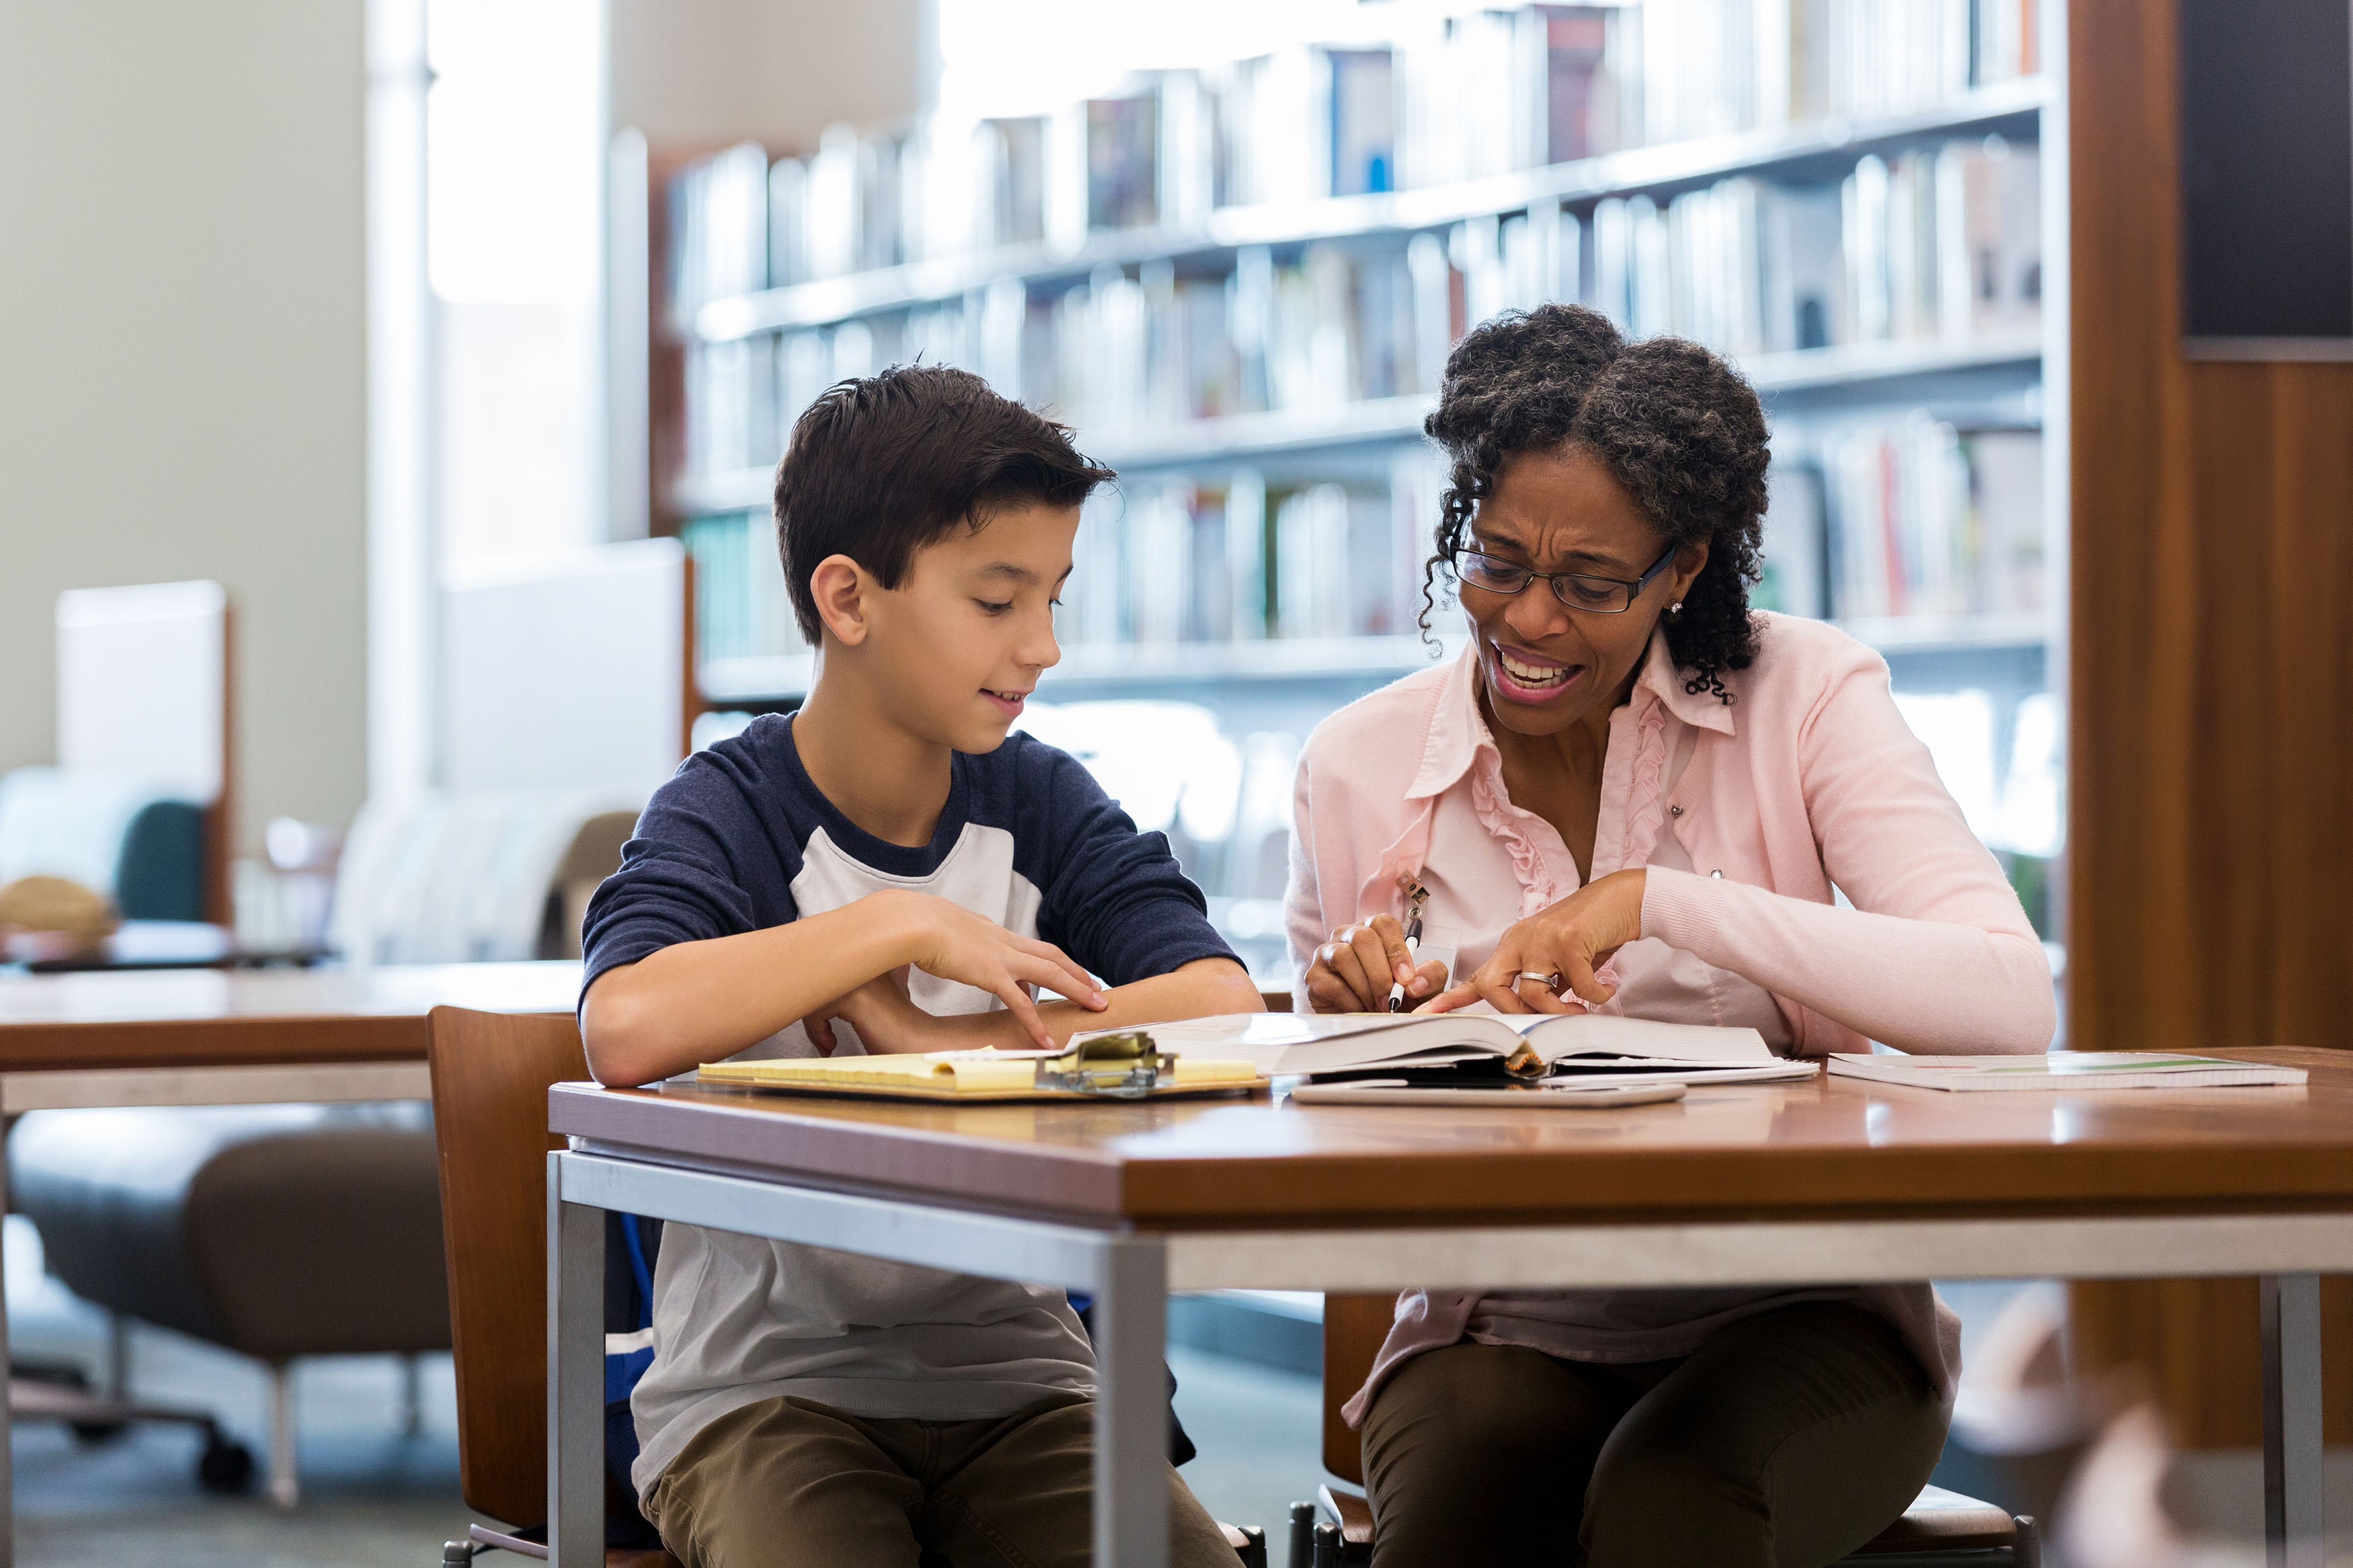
<point x="1828" y="1182"/>
<point x="135" y="944"/>
<point x="206" y="1036"/>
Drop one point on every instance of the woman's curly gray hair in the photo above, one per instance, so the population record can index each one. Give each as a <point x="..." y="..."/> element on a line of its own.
<point x="1677" y="427"/>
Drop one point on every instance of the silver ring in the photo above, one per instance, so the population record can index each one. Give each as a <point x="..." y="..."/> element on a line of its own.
<point x="1549" y="981"/>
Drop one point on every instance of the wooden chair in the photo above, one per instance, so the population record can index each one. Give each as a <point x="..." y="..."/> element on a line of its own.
<point x="491" y="1077"/>
<point x="1941" y="1529"/>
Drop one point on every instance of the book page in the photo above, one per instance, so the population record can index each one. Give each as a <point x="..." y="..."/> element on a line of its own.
<point x="1332" y="1042"/>
<point x="1568" y="1036"/>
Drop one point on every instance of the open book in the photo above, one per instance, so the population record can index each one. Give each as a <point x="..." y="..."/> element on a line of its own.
<point x="1579" y="1043"/>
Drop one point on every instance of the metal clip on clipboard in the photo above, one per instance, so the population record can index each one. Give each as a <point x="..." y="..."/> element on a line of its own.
<point x="1122" y="1066"/>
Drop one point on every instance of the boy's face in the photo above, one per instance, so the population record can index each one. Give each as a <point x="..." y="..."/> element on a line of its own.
<point x="957" y="647"/>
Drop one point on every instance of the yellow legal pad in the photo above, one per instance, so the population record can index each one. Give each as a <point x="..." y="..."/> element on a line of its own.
<point x="986" y="1074"/>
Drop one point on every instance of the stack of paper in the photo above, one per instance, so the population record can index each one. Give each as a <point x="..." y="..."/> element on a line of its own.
<point x="2066" y="1069"/>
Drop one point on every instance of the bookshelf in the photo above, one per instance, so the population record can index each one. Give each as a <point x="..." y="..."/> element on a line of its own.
<point x="1254" y="345"/>
<point x="1801" y="151"/>
<point x="1980" y="374"/>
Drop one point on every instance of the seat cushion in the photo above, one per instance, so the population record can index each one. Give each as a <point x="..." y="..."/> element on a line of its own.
<point x="1941" y="1520"/>
<point x="278" y="1231"/>
<point x="1938" y="1521"/>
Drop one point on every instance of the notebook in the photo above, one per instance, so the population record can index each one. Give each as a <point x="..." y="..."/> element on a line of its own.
<point x="985" y="1074"/>
<point x="1568" y="1043"/>
<point x="2065" y="1069"/>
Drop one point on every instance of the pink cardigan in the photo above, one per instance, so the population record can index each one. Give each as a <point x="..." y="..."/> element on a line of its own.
<point x="1745" y="815"/>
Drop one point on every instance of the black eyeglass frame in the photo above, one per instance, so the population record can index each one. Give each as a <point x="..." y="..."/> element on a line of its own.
<point x="1554" y="579"/>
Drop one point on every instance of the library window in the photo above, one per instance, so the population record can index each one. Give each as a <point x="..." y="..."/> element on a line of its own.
<point x="513" y="226"/>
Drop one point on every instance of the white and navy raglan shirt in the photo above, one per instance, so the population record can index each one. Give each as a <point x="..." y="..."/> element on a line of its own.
<point x="741" y="840"/>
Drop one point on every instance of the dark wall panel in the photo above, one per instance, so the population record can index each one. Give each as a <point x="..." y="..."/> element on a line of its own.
<point x="2211" y="799"/>
<point x="2266" y="126"/>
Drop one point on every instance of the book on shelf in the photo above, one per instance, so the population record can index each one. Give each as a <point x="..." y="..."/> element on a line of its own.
<point x="742" y="608"/>
<point x="1796" y="564"/>
<point x="1924" y="520"/>
<point x="1942" y="244"/>
<point x="1182" y="561"/>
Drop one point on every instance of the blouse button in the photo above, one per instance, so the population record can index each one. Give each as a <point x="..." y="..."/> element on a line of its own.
<point x="1675" y="811"/>
<point x="1717" y="875"/>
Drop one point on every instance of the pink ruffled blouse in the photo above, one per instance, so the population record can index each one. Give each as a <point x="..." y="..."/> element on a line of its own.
<point x="1746" y="816"/>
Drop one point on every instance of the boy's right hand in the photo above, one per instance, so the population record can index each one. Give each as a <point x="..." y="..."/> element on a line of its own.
<point x="953" y="943"/>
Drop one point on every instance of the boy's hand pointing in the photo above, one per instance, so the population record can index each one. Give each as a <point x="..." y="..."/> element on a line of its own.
<point x="951" y="941"/>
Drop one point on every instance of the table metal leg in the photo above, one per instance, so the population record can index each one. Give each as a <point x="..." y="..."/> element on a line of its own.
<point x="7" y="1457"/>
<point x="1131" y="1321"/>
<point x="575" y="1379"/>
<point x="2291" y="1436"/>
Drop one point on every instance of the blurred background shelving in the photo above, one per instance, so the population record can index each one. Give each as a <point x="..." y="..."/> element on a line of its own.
<point x="1237" y="281"/>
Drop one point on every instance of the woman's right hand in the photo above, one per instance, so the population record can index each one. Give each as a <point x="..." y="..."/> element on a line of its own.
<point x="1353" y="971"/>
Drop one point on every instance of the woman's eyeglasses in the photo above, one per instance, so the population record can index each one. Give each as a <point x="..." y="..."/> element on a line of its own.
<point x="1578" y="590"/>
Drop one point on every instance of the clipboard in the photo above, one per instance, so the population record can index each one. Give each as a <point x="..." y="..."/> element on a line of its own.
<point x="1121" y="1065"/>
<point x="988" y="1096"/>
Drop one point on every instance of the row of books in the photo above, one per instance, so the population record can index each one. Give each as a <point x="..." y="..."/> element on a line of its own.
<point x="1941" y="243"/>
<point x="741" y="609"/>
<point x="1178" y="562"/>
<point x="1938" y="243"/>
<point x="1123" y="353"/>
<point x="1446" y="98"/>
<point x="1909" y="516"/>
<point x="1867" y="521"/>
<point x="1157" y="562"/>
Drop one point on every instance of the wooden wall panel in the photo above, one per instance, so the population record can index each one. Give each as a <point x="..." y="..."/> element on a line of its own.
<point x="2210" y="856"/>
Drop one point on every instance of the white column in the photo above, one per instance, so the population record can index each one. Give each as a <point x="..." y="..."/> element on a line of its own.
<point x="400" y="458"/>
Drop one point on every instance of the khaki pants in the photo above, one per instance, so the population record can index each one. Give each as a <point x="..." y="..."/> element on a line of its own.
<point x="790" y="1483"/>
<point x="1786" y="1441"/>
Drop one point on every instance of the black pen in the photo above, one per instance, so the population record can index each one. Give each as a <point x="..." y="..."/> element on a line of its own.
<point x="1412" y="946"/>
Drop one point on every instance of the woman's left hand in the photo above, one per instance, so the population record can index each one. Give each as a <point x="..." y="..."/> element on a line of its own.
<point x="1556" y="948"/>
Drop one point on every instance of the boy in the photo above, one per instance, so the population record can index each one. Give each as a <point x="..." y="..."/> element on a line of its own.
<point x="878" y="872"/>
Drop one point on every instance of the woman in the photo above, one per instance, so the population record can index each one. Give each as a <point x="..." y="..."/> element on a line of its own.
<point x="1633" y="794"/>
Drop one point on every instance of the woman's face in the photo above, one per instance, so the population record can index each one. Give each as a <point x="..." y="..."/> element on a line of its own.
<point x="1546" y="666"/>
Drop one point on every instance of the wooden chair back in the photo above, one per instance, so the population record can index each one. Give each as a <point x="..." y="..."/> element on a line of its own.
<point x="491" y="1077"/>
<point x="1354" y="1327"/>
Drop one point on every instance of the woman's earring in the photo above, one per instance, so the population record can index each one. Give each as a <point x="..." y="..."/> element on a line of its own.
<point x="1675" y="611"/>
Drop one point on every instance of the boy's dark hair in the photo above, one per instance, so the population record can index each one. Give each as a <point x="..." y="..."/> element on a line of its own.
<point x="881" y="466"/>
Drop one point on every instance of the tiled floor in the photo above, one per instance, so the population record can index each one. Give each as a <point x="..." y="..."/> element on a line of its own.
<point x="374" y="1499"/>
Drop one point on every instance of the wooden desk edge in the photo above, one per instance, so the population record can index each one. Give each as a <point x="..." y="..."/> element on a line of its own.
<point x="1189" y="1190"/>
